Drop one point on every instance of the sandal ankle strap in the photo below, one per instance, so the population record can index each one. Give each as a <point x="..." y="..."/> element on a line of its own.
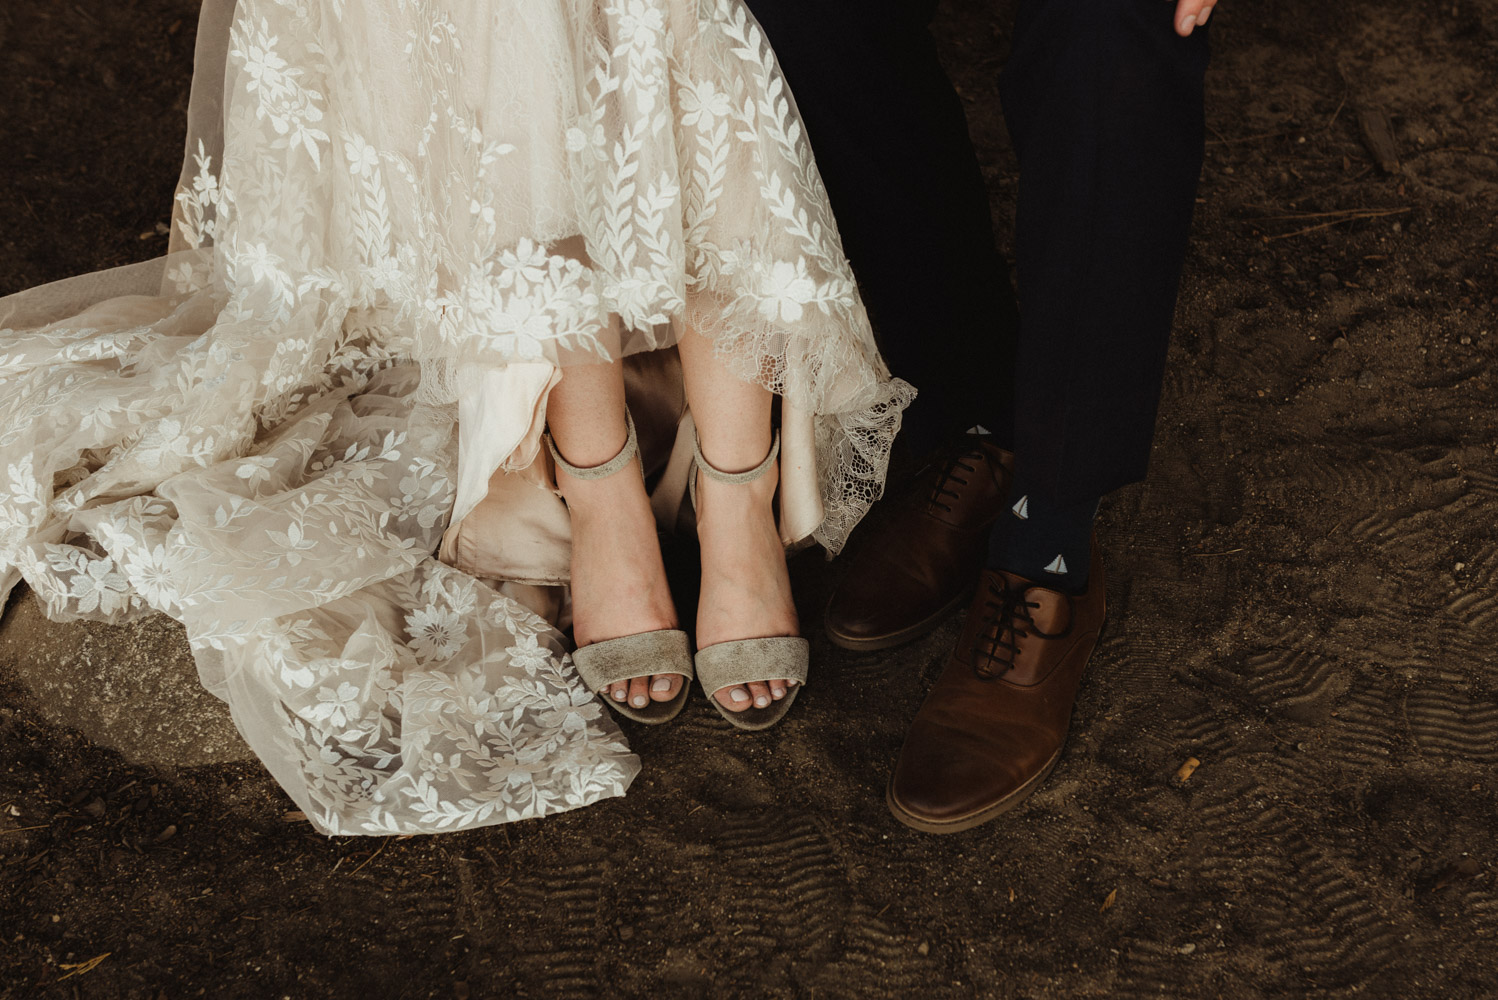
<point x="732" y="478"/>
<point x="629" y="451"/>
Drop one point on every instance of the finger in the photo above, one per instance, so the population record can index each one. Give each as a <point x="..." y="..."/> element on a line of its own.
<point x="735" y="699"/>
<point x="1188" y="15"/>
<point x="665" y="686"/>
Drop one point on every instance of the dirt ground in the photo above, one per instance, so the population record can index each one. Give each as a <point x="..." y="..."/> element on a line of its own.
<point x="1302" y="597"/>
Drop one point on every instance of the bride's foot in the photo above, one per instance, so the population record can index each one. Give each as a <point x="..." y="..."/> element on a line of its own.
<point x="746" y="589"/>
<point x="618" y="579"/>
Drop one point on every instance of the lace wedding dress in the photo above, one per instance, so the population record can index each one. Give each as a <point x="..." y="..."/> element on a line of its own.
<point x="399" y="222"/>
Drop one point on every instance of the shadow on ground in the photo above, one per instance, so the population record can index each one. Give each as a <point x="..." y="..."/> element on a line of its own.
<point x="1303" y="598"/>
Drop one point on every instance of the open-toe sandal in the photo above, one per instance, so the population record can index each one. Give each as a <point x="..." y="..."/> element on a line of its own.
<point x="740" y="661"/>
<point x="663" y="651"/>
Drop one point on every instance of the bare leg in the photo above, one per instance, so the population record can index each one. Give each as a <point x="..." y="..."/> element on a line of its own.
<point x="618" y="579"/>
<point x="746" y="591"/>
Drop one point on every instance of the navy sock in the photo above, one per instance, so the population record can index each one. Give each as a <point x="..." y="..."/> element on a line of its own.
<point x="1043" y="541"/>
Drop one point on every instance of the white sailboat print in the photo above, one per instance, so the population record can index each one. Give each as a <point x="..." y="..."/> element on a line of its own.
<point x="1057" y="566"/>
<point x="1022" y="509"/>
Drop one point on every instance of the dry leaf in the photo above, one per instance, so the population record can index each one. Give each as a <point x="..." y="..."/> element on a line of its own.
<point x="1112" y="898"/>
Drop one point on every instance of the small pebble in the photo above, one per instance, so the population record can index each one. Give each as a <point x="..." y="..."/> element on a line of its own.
<point x="924" y="948"/>
<point x="1459" y="567"/>
<point x="1187" y="949"/>
<point x="1465" y="340"/>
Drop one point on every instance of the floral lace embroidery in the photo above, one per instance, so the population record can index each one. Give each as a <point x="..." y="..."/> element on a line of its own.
<point x="254" y="435"/>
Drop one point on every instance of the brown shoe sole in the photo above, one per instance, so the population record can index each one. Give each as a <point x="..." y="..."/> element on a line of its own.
<point x="981" y="816"/>
<point x="868" y="644"/>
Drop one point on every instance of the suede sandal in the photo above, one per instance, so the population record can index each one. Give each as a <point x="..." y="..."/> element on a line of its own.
<point x="740" y="661"/>
<point x="663" y="651"/>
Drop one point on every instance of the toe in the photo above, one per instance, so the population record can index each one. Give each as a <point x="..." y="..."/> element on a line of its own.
<point x="663" y="687"/>
<point x="777" y="690"/>
<point x="618" y="691"/>
<point x="759" y="692"/>
<point x="735" y="699"/>
<point x="639" y="692"/>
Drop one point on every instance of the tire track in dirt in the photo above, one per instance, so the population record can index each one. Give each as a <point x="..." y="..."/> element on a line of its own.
<point x="1484" y="484"/>
<point x="1314" y="917"/>
<point x="1296" y="683"/>
<point x="1453" y="725"/>
<point x="778" y="912"/>
<point x="789" y="896"/>
<point x="875" y="951"/>
<point x="1475" y="600"/>
<point x="1398" y="638"/>
<point x="701" y="723"/>
<point x="428" y="910"/>
<point x="1320" y="470"/>
<point x="556" y="914"/>
<point x="1311" y="913"/>
<point x="1333" y="931"/>
<point x="1364" y="731"/>
<point x="1413" y="526"/>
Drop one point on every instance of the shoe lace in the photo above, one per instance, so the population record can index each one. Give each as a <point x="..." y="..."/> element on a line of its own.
<point x="1006" y="619"/>
<point x="947" y="476"/>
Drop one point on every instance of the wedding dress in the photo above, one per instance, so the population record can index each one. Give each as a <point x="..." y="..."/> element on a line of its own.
<point x="399" y="221"/>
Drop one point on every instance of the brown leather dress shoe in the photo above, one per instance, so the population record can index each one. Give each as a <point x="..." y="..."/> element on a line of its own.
<point x="919" y="565"/>
<point x="993" y="725"/>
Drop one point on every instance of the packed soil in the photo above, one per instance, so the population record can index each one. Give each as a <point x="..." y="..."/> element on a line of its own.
<point x="1302" y="597"/>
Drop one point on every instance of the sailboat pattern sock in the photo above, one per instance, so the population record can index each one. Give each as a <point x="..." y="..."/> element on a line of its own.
<point x="1044" y="541"/>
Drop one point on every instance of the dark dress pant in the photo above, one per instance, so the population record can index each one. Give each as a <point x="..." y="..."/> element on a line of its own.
<point x="1104" y="107"/>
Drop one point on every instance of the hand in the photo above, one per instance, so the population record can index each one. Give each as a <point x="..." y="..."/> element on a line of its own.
<point x="1190" y="13"/>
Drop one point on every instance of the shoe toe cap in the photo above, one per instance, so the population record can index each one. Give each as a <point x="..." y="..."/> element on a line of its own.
<point x="949" y="775"/>
<point x="874" y="610"/>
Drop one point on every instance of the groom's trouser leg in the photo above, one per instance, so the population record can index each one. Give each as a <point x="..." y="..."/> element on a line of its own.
<point x="1104" y="106"/>
<point x="892" y="146"/>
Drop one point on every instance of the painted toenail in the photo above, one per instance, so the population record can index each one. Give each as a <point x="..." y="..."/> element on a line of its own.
<point x="640" y="701"/>
<point x="738" y="694"/>
<point x="777" y="693"/>
<point x="761" y="701"/>
<point x="618" y="695"/>
<point x="661" y="684"/>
